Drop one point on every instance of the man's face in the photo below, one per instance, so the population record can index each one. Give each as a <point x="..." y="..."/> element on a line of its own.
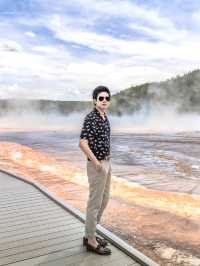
<point x="101" y="101"/>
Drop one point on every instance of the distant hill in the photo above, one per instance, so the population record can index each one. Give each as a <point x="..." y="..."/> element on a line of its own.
<point x="181" y="92"/>
<point x="42" y="106"/>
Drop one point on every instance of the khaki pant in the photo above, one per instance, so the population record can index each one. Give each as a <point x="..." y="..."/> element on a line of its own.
<point x="99" y="191"/>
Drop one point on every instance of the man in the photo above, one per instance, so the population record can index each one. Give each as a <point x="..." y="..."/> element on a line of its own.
<point x="95" y="143"/>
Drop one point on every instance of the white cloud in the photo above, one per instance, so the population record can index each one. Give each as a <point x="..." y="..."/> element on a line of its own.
<point x="30" y="34"/>
<point x="105" y="43"/>
<point x="164" y="34"/>
<point x="78" y="54"/>
<point x="113" y="8"/>
<point x="10" y="46"/>
<point x="45" y="49"/>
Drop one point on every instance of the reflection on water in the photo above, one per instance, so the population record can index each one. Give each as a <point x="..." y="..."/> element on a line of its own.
<point x="155" y="188"/>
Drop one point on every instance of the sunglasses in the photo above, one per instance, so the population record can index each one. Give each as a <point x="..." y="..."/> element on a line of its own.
<point x="101" y="98"/>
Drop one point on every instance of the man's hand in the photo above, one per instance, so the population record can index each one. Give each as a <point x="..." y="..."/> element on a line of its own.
<point x="83" y="144"/>
<point x="98" y="165"/>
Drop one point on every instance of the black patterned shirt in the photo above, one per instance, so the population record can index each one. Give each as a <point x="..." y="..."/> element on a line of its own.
<point x="97" y="131"/>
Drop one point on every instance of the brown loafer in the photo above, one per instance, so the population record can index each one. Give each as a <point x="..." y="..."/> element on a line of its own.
<point x="99" y="249"/>
<point x="101" y="241"/>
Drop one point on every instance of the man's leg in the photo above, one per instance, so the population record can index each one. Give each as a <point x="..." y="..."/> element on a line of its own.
<point x="106" y="194"/>
<point x="97" y="182"/>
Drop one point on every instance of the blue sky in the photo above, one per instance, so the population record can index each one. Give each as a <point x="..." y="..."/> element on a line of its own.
<point x="63" y="49"/>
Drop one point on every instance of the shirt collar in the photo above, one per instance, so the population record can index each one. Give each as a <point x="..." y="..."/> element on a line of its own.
<point x="97" y="112"/>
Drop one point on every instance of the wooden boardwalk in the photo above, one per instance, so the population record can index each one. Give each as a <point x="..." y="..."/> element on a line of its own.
<point x="36" y="230"/>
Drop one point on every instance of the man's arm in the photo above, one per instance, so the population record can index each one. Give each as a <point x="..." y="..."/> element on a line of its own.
<point x="83" y="144"/>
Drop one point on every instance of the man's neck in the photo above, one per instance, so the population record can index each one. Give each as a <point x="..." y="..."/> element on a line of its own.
<point x="102" y="112"/>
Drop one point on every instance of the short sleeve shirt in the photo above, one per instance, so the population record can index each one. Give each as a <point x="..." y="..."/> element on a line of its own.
<point x="97" y="131"/>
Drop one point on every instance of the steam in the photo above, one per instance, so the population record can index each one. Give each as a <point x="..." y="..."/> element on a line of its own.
<point x="159" y="118"/>
<point x="34" y="120"/>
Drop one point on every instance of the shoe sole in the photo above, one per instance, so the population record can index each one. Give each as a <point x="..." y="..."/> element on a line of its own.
<point x="103" y="254"/>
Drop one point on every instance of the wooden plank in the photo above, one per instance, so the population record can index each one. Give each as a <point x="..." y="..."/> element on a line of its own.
<point x="8" y="181"/>
<point x="23" y="227"/>
<point x="38" y="233"/>
<point x="32" y="222"/>
<point x="30" y="216"/>
<point x="43" y="244"/>
<point x="12" y="181"/>
<point x="73" y="252"/>
<point x="24" y="206"/>
<point x="30" y="219"/>
<point x="30" y="212"/>
<point x="16" y="190"/>
<point x="40" y="227"/>
<point x="117" y="262"/>
<point x="86" y="259"/>
<point x="13" y="194"/>
<point x="125" y="261"/>
<point x="14" y="203"/>
<point x="83" y="259"/>
<point x="70" y="256"/>
<point x="8" y="186"/>
<point x="20" y="201"/>
<point x="42" y="238"/>
<point x="43" y="251"/>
